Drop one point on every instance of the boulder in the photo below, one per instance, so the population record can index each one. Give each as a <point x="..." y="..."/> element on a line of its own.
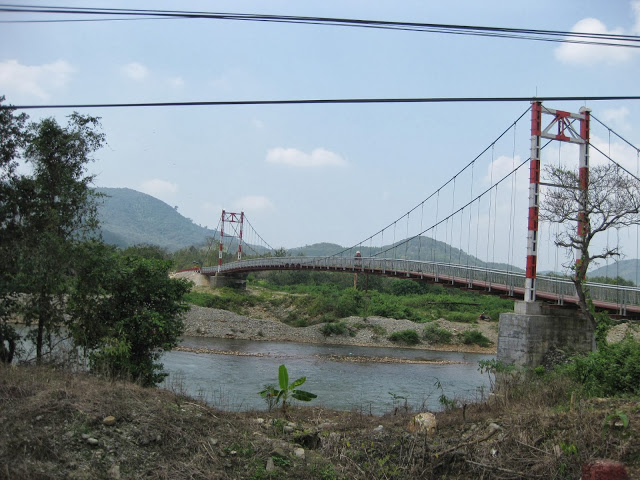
<point x="424" y="422"/>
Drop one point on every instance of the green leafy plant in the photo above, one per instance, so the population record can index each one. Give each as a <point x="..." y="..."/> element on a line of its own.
<point x="287" y="390"/>
<point x="613" y="369"/>
<point x="615" y="419"/>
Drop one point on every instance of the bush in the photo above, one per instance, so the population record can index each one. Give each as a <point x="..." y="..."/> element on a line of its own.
<point x="463" y="317"/>
<point x="337" y="328"/>
<point x="410" y="337"/>
<point x="435" y="334"/>
<point x="613" y="369"/>
<point x="474" y="337"/>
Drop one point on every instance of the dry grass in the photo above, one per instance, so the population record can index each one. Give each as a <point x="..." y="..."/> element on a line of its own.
<point x="533" y="431"/>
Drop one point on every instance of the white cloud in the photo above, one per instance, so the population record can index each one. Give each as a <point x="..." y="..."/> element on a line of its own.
<point x="295" y="158"/>
<point x="253" y="203"/>
<point x="617" y="116"/>
<point x="135" y="71"/>
<point x="581" y="54"/>
<point x="176" y="82"/>
<point x="257" y="124"/>
<point x="619" y="152"/>
<point x="159" y="188"/>
<point x="37" y="80"/>
<point x="501" y="166"/>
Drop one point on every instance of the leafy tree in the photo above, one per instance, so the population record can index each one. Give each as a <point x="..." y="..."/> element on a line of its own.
<point x="612" y="200"/>
<point x="56" y="211"/>
<point x="127" y="312"/>
<point x="146" y="250"/>
<point x="12" y="137"/>
<point x="287" y="390"/>
<point x="280" y="252"/>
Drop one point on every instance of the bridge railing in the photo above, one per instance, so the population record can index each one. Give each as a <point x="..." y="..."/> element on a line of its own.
<point x="472" y="276"/>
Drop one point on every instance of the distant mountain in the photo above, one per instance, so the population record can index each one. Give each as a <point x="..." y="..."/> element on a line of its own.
<point x="129" y="217"/>
<point x="421" y="248"/>
<point x="627" y="269"/>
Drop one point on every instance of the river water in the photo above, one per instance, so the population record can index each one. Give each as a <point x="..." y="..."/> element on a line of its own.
<point x="232" y="382"/>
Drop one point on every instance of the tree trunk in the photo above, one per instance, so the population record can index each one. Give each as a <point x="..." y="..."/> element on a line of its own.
<point x="582" y="302"/>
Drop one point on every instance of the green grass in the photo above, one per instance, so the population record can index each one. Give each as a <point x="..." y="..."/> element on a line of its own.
<point x="326" y="297"/>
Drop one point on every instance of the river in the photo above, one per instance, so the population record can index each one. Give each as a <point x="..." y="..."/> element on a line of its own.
<point x="231" y="382"/>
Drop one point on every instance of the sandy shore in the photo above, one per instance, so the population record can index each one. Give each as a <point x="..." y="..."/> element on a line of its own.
<point x="369" y="332"/>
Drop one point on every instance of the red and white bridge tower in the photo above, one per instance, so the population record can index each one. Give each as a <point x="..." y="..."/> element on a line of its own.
<point x="230" y="217"/>
<point x="560" y="128"/>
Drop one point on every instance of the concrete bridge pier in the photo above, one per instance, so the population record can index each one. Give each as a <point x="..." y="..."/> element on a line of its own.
<point x="525" y="336"/>
<point x="233" y="280"/>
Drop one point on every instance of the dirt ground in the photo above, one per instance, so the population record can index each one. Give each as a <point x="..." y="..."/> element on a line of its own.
<point x="57" y="424"/>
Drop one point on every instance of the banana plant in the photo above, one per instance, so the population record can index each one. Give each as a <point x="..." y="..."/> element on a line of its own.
<point x="287" y="390"/>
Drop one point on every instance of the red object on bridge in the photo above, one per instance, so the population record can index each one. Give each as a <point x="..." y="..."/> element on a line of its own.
<point x="604" y="470"/>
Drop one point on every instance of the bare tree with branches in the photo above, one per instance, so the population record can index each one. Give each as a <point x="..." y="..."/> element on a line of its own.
<point x="612" y="200"/>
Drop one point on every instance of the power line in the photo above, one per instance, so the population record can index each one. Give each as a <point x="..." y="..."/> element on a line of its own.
<point x="328" y="101"/>
<point x="603" y="39"/>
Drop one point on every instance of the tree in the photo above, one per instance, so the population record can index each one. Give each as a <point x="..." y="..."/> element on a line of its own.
<point x="126" y="312"/>
<point x="612" y="200"/>
<point x="12" y="138"/>
<point x="56" y="210"/>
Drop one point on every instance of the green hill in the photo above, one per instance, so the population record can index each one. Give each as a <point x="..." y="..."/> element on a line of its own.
<point x="129" y="217"/>
<point x="627" y="269"/>
<point x="421" y="248"/>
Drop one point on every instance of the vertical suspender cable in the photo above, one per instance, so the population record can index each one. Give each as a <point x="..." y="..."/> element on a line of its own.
<point x="433" y="243"/>
<point x="491" y="201"/>
<point x="453" y="207"/>
<point x="470" y="208"/>
<point x="406" y="242"/>
<point x="513" y="201"/>
<point x="420" y="237"/>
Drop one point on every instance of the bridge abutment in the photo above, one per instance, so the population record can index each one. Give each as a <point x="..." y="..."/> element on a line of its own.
<point x="526" y="335"/>
<point x="235" y="280"/>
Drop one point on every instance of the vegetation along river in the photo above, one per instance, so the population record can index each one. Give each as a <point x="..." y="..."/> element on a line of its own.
<point x="229" y="373"/>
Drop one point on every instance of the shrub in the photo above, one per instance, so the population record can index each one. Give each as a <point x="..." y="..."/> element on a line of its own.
<point x="410" y="337"/>
<point x="378" y="329"/>
<point x="435" y="334"/>
<point x="474" y="337"/>
<point x="611" y="370"/>
<point x="336" y="328"/>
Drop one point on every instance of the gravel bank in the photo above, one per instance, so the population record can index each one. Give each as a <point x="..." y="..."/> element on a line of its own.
<point x="210" y="322"/>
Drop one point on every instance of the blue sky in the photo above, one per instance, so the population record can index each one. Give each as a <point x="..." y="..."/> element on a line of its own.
<point x="311" y="173"/>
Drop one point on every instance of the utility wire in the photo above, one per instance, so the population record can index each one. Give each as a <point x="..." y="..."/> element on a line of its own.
<point x="606" y="39"/>
<point x="329" y="101"/>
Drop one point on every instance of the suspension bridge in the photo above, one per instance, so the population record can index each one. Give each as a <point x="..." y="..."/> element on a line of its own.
<point x="483" y="229"/>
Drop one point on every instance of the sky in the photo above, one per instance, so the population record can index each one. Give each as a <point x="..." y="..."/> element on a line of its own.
<point x="321" y="173"/>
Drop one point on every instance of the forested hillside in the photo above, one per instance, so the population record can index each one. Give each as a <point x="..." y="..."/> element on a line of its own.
<point x="627" y="269"/>
<point x="129" y="217"/>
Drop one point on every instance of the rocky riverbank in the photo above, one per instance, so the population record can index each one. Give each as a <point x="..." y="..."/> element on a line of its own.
<point x="372" y="331"/>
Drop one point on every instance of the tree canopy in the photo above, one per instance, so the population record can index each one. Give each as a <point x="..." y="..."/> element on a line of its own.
<point x="612" y="200"/>
<point x="56" y="272"/>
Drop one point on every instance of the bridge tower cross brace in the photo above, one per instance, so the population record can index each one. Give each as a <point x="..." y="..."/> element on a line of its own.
<point x="230" y="217"/>
<point x="561" y="128"/>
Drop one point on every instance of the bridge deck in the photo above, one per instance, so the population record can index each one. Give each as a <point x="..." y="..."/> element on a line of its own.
<point x="619" y="299"/>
